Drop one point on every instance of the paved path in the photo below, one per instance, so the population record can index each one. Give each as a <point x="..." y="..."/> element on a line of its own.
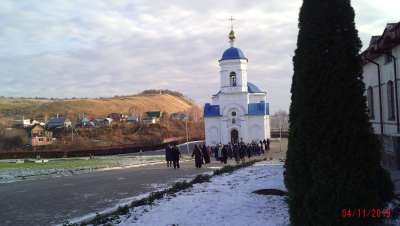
<point x="55" y="200"/>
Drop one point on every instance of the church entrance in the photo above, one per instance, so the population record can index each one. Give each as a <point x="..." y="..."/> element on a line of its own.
<point x="234" y="136"/>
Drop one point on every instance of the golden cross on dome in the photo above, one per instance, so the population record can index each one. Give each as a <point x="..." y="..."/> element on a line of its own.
<point x="232" y="33"/>
<point x="231" y="19"/>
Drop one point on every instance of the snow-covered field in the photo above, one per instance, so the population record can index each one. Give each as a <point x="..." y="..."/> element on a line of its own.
<point x="226" y="200"/>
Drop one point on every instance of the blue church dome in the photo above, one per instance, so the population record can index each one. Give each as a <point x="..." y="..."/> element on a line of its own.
<point x="233" y="53"/>
<point x="251" y="88"/>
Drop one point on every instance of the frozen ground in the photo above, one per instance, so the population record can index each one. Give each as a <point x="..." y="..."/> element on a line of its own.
<point x="226" y="200"/>
<point x="12" y="172"/>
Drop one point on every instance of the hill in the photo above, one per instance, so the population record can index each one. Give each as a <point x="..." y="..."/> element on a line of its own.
<point x="170" y="102"/>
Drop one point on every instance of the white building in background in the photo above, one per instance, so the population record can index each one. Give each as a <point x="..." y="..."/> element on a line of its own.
<point x="381" y="77"/>
<point x="239" y="111"/>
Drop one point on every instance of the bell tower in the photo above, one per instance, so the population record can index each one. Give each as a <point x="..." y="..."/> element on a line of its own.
<point x="233" y="67"/>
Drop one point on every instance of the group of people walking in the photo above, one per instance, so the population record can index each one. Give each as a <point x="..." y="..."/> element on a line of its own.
<point x="172" y="156"/>
<point x="239" y="151"/>
<point x="202" y="154"/>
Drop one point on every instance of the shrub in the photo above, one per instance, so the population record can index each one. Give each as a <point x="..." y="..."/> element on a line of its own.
<point x="333" y="158"/>
<point x="201" y="179"/>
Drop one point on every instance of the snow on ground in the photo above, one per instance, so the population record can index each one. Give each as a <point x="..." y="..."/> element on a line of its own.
<point x="226" y="200"/>
<point x="127" y="201"/>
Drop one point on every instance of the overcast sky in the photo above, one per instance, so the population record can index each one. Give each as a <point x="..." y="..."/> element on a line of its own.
<point x="67" y="48"/>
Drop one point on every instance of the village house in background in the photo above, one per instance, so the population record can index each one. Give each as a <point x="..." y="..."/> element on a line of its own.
<point x="152" y="117"/>
<point x="26" y="123"/>
<point x="23" y="123"/>
<point x="239" y="111"/>
<point x="381" y="75"/>
<point x="86" y="122"/>
<point x="39" y="136"/>
<point x="102" y="122"/>
<point x="180" y="116"/>
<point x="132" y="119"/>
<point x="91" y="122"/>
<point x="58" y="122"/>
<point x="117" y="117"/>
<point x="59" y="128"/>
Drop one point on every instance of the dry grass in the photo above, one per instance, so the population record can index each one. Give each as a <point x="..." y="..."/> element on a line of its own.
<point x="100" y="107"/>
<point x="122" y="134"/>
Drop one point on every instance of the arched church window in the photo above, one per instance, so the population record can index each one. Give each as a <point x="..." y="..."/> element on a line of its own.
<point x="233" y="113"/>
<point x="370" y="101"/>
<point x="233" y="121"/>
<point x="390" y="99"/>
<point x="232" y="78"/>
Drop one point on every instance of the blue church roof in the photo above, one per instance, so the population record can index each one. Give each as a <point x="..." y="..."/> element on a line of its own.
<point x="211" y="110"/>
<point x="233" y="53"/>
<point x="251" y="88"/>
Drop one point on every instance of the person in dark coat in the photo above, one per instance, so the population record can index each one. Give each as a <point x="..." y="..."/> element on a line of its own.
<point x="267" y="147"/>
<point x="236" y="153"/>
<point x="242" y="152"/>
<point x="249" y="149"/>
<point x="224" y="154"/>
<point x="259" y="148"/>
<point x="219" y="151"/>
<point x="176" y="154"/>
<point x="215" y="150"/>
<point x="262" y="147"/>
<point x="206" y="155"/>
<point x="168" y="155"/>
<point x="230" y="150"/>
<point x="198" y="156"/>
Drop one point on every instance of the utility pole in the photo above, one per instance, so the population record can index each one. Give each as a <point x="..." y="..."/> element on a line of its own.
<point x="187" y="135"/>
<point x="280" y="133"/>
<point x="72" y="135"/>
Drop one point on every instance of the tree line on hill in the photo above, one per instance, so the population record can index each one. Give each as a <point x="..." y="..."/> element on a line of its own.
<point x="145" y="92"/>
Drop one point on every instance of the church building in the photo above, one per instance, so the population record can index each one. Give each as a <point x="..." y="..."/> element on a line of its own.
<point x="239" y="111"/>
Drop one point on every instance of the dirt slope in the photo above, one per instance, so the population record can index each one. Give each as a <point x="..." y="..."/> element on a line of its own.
<point x="14" y="108"/>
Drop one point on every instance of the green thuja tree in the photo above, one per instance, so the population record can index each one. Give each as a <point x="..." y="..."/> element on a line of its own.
<point x="333" y="159"/>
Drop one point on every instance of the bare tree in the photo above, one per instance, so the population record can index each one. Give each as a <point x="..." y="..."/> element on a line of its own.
<point x="280" y="119"/>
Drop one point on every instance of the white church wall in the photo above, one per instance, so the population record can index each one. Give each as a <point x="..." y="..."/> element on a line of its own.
<point x="227" y="109"/>
<point x="238" y="100"/>
<point x="255" y="128"/>
<point x="370" y="78"/>
<point x="267" y="126"/>
<point x="256" y="133"/>
<point x="212" y="130"/>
